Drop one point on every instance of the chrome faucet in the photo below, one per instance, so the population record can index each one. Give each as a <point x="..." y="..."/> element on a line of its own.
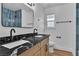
<point x="11" y="37"/>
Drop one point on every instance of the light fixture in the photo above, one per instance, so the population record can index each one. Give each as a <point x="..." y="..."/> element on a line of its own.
<point x="31" y="4"/>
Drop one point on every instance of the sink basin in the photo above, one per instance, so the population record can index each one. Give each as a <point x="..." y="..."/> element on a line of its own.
<point x="21" y="49"/>
<point x="39" y="36"/>
<point x="14" y="44"/>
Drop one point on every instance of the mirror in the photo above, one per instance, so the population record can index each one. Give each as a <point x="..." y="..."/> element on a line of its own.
<point x="16" y="15"/>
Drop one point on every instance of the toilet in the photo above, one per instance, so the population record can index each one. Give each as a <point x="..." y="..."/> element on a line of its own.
<point x="51" y="47"/>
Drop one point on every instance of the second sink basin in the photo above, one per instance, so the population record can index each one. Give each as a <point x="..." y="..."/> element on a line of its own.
<point x="39" y="36"/>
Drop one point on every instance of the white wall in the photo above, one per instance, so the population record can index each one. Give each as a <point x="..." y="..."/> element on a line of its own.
<point x="39" y="14"/>
<point x="66" y="30"/>
<point x="5" y="31"/>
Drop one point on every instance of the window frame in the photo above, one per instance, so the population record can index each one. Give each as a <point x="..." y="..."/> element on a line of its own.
<point x="50" y="21"/>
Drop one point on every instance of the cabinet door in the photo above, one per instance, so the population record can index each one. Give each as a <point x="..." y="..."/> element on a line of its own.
<point x="43" y="51"/>
<point x="38" y="53"/>
<point x="32" y="51"/>
<point x="44" y="47"/>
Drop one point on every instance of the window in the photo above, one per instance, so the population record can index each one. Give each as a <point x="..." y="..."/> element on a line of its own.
<point x="50" y="21"/>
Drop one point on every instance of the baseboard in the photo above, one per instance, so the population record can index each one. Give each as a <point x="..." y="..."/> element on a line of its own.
<point x="63" y="50"/>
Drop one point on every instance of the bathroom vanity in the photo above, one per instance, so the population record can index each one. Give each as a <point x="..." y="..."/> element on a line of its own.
<point x="34" y="45"/>
<point x="40" y="49"/>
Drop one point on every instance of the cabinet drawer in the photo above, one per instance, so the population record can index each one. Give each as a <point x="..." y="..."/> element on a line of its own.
<point x="31" y="51"/>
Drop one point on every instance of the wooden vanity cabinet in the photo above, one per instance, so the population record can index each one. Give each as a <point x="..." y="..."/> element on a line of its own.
<point x="37" y="53"/>
<point x="32" y="51"/>
<point x="44" y="47"/>
<point x="40" y="49"/>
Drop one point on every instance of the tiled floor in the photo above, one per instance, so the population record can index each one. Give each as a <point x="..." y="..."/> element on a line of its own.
<point x="58" y="52"/>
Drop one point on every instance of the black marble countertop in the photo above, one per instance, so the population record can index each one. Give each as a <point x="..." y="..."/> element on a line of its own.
<point x="7" y="52"/>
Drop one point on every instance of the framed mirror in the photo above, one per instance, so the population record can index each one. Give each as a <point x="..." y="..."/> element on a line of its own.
<point x="16" y="15"/>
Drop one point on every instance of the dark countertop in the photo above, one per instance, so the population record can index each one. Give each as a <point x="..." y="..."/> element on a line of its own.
<point x="7" y="52"/>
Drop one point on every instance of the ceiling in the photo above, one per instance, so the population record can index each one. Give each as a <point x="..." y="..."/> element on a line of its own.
<point x="15" y="6"/>
<point x="48" y="5"/>
<point x="12" y="6"/>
